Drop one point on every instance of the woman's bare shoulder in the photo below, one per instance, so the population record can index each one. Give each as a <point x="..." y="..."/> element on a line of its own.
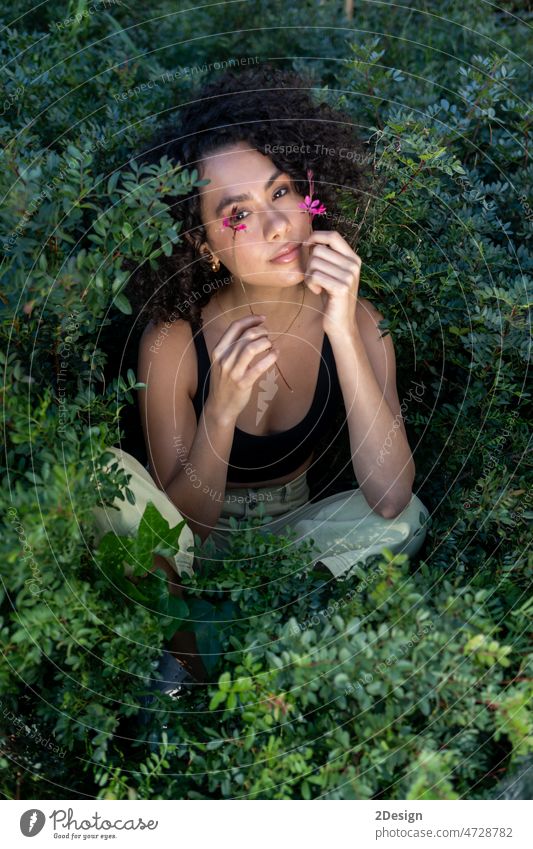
<point x="368" y="318"/>
<point x="367" y="310"/>
<point x="155" y="331"/>
<point x="168" y="346"/>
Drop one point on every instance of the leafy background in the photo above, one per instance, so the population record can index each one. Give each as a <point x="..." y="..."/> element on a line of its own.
<point x="408" y="681"/>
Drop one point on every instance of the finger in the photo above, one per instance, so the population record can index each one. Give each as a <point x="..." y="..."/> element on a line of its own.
<point x="342" y="269"/>
<point x="251" y="373"/>
<point x="233" y="332"/>
<point x="325" y="252"/>
<point x="242" y="353"/>
<point x="262" y="365"/>
<point x="241" y="343"/>
<point x="249" y="335"/>
<point x="331" y="284"/>
<point x="331" y="238"/>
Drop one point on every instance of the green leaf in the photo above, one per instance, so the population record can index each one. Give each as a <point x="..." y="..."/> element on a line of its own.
<point x="99" y="226"/>
<point x="224" y="682"/>
<point x="216" y="700"/>
<point x="122" y="303"/>
<point x="178" y="611"/>
<point x="209" y="645"/>
<point x="112" y="182"/>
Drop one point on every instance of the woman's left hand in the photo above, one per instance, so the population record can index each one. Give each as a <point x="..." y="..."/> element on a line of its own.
<point x="333" y="271"/>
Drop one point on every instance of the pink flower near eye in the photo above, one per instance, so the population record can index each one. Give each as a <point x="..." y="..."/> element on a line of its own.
<point x="226" y="222"/>
<point x="230" y="222"/>
<point x="313" y="207"/>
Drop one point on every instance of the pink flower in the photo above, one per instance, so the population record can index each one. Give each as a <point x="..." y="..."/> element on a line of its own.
<point x="313" y="207"/>
<point x="227" y="222"/>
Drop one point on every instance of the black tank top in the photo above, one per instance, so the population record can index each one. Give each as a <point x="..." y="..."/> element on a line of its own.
<point x="268" y="457"/>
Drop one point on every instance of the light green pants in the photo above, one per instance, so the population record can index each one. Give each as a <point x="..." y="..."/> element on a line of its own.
<point x="344" y="528"/>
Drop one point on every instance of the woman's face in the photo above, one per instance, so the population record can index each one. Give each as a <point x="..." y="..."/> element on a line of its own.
<point x="265" y="200"/>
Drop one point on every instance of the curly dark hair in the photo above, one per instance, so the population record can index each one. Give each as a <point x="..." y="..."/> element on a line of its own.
<point x="246" y="105"/>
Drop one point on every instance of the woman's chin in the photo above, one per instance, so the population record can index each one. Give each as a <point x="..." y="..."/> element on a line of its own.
<point x="287" y="277"/>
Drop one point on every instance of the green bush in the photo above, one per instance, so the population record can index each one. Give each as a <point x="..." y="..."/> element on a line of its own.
<point x="406" y="681"/>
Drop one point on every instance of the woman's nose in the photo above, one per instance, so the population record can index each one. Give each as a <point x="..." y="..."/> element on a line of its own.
<point x="276" y="224"/>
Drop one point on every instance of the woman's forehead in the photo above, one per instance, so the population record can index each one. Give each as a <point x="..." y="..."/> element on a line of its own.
<point x="240" y="167"/>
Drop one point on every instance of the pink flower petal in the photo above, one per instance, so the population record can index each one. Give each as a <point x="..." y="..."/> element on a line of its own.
<point x="226" y="222"/>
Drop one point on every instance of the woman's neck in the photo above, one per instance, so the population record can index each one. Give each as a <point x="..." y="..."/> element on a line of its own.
<point x="276" y="302"/>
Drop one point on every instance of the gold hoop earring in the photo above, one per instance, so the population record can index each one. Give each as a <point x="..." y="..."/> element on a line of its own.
<point x="214" y="262"/>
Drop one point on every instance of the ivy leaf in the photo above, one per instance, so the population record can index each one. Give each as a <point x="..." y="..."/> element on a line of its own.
<point x="155" y="536"/>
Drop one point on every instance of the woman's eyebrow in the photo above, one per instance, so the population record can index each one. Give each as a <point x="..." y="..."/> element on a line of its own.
<point x="247" y="196"/>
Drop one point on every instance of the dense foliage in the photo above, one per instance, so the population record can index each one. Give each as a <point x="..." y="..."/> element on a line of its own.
<point x="407" y="680"/>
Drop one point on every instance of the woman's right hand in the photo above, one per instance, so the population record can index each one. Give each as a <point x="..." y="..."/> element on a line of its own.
<point x="232" y="377"/>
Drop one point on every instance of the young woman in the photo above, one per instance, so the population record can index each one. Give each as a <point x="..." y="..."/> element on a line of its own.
<point x="256" y="333"/>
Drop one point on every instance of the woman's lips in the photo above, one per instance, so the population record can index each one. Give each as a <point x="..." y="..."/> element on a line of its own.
<point x="290" y="257"/>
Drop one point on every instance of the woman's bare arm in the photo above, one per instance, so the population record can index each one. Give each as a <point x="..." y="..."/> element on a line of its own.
<point x="189" y="461"/>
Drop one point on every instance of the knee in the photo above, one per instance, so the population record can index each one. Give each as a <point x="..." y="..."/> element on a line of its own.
<point x="391" y="511"/>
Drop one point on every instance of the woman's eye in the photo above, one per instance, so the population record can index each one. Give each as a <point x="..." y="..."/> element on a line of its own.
<point x="235" y="217"/>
